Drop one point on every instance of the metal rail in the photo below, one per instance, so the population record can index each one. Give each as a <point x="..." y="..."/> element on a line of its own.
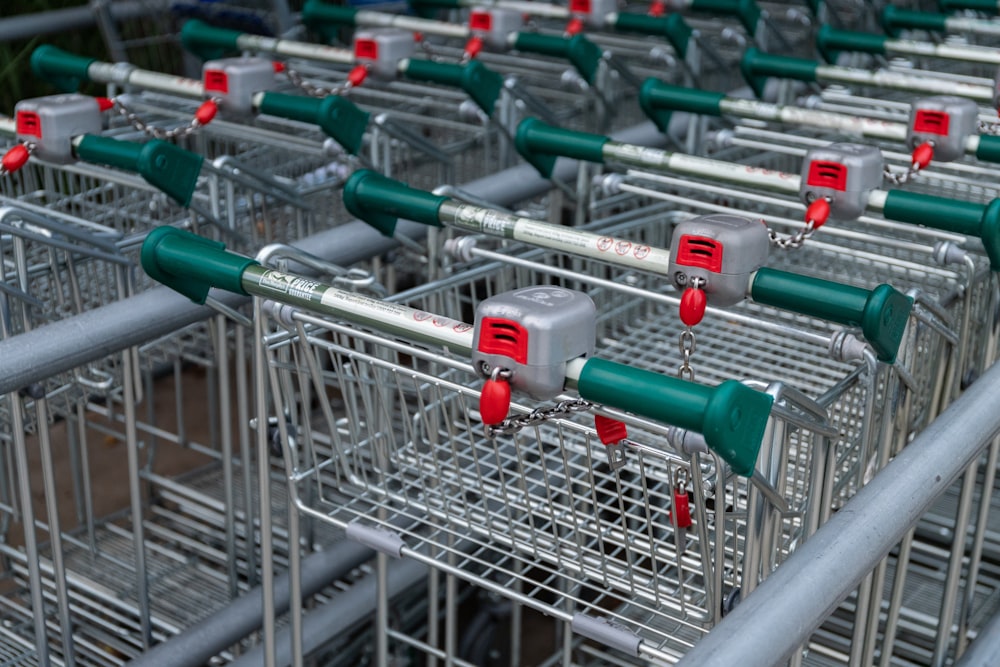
<point x="778" y="618"/>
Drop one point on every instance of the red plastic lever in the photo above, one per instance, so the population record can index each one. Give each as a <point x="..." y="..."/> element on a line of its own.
<point x="923" y="154"/>
<point x="357" y="75"/>
<point x="278" y="67"/>
<point x="15" y="158"/>
<point x="693" y="303"/>
<point x="473" y="47"/>
<point x="657" y="9"/>
<point x="682" y="508"/>
<point x="610" y="431"/>
<point x="818" y="212"/>
<point x="574" y="27"/>
<point x="494" y="401"/>
<point x="104" y="103"/>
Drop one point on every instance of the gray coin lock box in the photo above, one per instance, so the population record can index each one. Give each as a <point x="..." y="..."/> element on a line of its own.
<point x="494" y="25"/>
<point x="533" y="332"/>
<point x="721" y="249"/>
<point x="50" y="123"/>
<point x="593" y="12"/>
<point x="234" y="81"/>
<point x="382" y="50"/>
<point x="945" y="120"/>
<point x="846" y="173"/>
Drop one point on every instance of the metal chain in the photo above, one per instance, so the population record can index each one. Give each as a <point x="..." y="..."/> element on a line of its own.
<point x="28" y="145"/>
<point x="900" y="178"/>
<point x="686" y="344"/>
<point x="792" y="241"/>
<point x="512" y="425"/>
<point x="312" y="89"/>
<point x="991" y="128"/>
<point x="156" y="132"/>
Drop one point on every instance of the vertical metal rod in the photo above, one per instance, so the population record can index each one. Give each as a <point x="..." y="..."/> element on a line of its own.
<point x="382" y="610"/>
<point x="80" y="423"/>
<point x="264" y="487"/>
<point x="135" y="498"/>
<point x="226" y="452"/>
<point x="246" y="457"/>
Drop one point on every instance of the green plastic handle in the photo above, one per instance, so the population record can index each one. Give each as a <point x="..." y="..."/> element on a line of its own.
<point x="988" y="149"/>
<point x="672" y="27"/>
<point x="381" y="201"/>
<point x="479" y="82"/>
<point x="881" y="313"/>
<point x="340" y="119"/>
<point x="190" y="264"/>
<point x="731" y="416"/>
<point x="170" y="169"/>
<point x="985" y="6"/>
<point x="659" y="100"/>
<point x="326" y="19"/>
<point x="757" y="67"/>
<point x="746" y="10"/>
<point x="64" y="70"/>
<point x="894" y="20"/>
<point x="208" y="42"/>
<point x="584" y="55"/>
<point x="540" y="144"/>
<point x="950" y="215"/>
<point x="830" y="42"/>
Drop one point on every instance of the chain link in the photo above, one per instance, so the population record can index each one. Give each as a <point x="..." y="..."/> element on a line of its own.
<point x="512" y="425"/>
<point x="138" y="123"/>
<point x="29" y="146"/>
<point x="991" y="128"/>
<point x="312" y="89"/>
<point x="901" y="177"/>
<point x="686" y="344"/>
<point x="793" y="241"/>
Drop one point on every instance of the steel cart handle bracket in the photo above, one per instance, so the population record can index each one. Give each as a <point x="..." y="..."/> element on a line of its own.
<point x="830" y="42"/>
<point x="757" y="67"/>
<point x="540" y="144"/>
<point x="880" y="313"/>
<point x="64" y="70"/>
<point x="894" y="20"/>
<point x="672" y="27"/>
<point x="582" y="53"/>
<point x="746" y="11"/>
<point x="338" y="117"/>
<point x="172" y="170"/>
<point x="192" y="265"/>
<point x="961" y="217"/>
<point x="659" y="100"/>
<point x="381" y="201"/>
<point x="479" y="82"/>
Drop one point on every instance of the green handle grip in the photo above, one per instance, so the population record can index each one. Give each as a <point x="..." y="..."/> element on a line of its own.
<point x="190" y="264"/>
<point x="985" y="6"/>
<point x="66" y="71"/>
<point x="672" y="27"/>
<point x="746" y="10"/>
<point x="757" y="66"/>
<point x="881" y="313"/>
<point x="427" y="8"/>
<point x="830" y="42"/>
<point x="950" y="215"/>
<point x="584" y="55"/>
<point x="988" y="149"/>
<point x="480" y="83"/>
<point x="894" y="20"/>
<point x="208" y="42"/>
<point x="540" y="144"/>
<point x="380" y="201"/>
<point x="339" y="118"/>
<point x="172" y="170"/>
<point x="659" y="100"/>
<point x="731" y="416"/>
<point x="326" y="19"/>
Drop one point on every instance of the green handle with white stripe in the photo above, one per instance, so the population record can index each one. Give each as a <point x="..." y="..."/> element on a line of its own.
<point x="660" y="100"/>
<point x="757" y="67"/>
<point x="830" y="42"/>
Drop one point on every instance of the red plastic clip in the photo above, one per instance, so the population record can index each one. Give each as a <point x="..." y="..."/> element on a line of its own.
<point x="278" y="67"/>
<point x="473" y="47"/>
<point x="15" y="158"/>
<point x="206" y="112"/>
<point x="693" y="303"/>
<point x="104" y="103"/>
<point x="657" y="9"/>
<point x="418" y="37"/>
<point x="610" y="431"/>
<point x="923" y="154"/>
<point x="357" y="75"/>
<point x="818" y="212"/>
<point x="494" y="401"/>
<point x="574" y="27"/>
<point x="682" y="508"/>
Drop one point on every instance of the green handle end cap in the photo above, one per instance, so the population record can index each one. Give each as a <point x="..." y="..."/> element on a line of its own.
<point x="544" y="163"/>
<point x="64" y="70"/>
<point x="381" y="201"/>
<point x="756" y="81"/>
<point x="326" y="19"/>
<point x="190" y="264"/>
<point x="540" y="144"/>
<point x="170" y="168"/>
<point x="483" y="85"/>
<point x="343" y="121"/>
<point x="884" y="321"/>
<point x="208" y="42"/>
<point x="989" y="233"/>
<point x="734" y="424"/>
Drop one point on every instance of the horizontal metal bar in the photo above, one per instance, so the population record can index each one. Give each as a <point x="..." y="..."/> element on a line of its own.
<point x="27" y="26"/>
<point x="777" y="618"/>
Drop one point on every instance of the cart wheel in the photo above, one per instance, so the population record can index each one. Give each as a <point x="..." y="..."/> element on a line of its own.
<point x="968" y="378"/>
<point x="486" y="639"/>
<point x="732" y="601"/>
